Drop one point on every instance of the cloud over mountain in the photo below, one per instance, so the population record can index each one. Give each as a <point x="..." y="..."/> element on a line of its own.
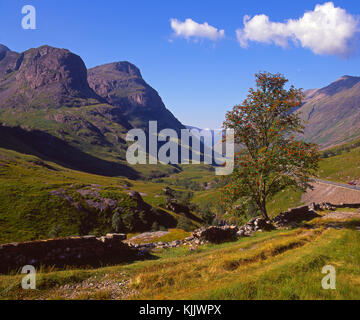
<point x="191" y="29"/>
<point x="327" y="30"/>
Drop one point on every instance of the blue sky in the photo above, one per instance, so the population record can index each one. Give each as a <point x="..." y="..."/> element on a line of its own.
<point x="198" y="78"/>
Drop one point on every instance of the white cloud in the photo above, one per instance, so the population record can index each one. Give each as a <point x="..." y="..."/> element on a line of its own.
<point x="189" y="28"/>
<point x="326" y="31"/>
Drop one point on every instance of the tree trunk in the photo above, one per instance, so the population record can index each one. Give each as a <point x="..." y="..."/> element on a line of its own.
<point x="264" y="211"/>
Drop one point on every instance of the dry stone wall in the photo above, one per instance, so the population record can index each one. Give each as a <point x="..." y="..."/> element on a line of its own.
<point x="73" y="251"/>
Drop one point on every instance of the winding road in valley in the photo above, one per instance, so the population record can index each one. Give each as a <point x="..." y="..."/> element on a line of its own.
<point x="337" y="184"/>
<point x="333" y="192"/>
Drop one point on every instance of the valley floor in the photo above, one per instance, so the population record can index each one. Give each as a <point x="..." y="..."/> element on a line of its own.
<point x="283" y="264"/>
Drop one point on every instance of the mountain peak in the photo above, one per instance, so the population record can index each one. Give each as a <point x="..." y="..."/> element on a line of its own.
<point x="46" y="77"/>
<point x="345" y="77"/>
<point x="118" y="69"/>
<point x="343" y="83"/>
<point x="127" y="67"/>
<point x="122" y="85"/>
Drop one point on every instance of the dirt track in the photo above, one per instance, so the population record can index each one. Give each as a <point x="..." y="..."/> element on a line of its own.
<point x="329" y="193"/>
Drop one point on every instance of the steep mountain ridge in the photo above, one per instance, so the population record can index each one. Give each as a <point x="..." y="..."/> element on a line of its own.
<point x="332" y="113"/>
<point x="44" y="77"/>
<point x="122" y="85"/>
<point x="8" y="61"/>
<point x="45" y="93"/>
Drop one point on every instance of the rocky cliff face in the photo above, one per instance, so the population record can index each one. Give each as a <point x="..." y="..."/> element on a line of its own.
<point x="122" y="85"/>
<point x="44" y="77"/>
<point x="46" y="101"/>
<point x="8" y="61"/>
<point x="332" y="114"/>
<point x="45" y="92"/>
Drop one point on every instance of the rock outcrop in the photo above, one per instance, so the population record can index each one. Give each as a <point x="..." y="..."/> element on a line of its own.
<point x="255" y="224"/>
<point x="215" y="234"/>
<point x="201" y="236"/>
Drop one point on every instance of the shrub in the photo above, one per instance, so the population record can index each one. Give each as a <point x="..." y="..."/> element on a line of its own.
<point x="185" y="224"/>
<point x="117" y="223"/>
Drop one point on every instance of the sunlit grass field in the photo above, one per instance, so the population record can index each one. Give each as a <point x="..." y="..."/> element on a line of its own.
<point x="341" y="168"/>
<point x="277" y="265"/>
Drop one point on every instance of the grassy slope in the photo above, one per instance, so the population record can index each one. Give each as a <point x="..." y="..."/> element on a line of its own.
<point x="92" y="136"/>
<point x="246" y="269"/>
<point x="29" y="211"/>
<point x="343" y="167"/>
<point x="283" y="201"/>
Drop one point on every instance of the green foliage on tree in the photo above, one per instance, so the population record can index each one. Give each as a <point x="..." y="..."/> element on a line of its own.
<point x="270" y="159"/>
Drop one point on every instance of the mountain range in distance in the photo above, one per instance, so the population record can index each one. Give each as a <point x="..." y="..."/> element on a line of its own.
<point x="53" y="107"/>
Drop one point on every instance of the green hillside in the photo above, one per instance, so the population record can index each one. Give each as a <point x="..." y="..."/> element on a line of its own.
<point x="31" y="208"/>
<point x="342" y="163"/>
<point x="90" y="139"/>
<point x="41" y="199"/>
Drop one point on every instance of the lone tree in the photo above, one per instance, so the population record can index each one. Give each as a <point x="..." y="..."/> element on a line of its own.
<point x="270" y="159"/>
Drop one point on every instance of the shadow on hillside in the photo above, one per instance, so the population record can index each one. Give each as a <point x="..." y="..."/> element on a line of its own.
<point x="116" y="261"/>
<point x="193" y="217"/>
<point x="50" y="148"/>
